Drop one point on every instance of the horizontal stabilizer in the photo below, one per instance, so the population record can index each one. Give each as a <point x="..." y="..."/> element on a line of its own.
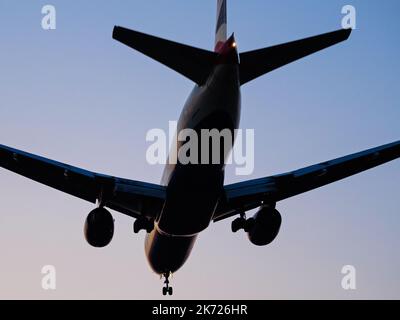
<point x="254" y="64"/>
<point x="193" y="63"/>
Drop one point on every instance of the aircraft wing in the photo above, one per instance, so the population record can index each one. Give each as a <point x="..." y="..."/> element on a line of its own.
<point x="129" y="197"/>
<point x="248" y="195"/>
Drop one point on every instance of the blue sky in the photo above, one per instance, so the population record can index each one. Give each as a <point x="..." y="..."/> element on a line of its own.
<point x="77" y="96"/>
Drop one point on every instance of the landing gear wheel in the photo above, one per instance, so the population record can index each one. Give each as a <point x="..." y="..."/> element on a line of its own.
<point x="167" y="289"/>
<point x="143" y="224"/>
<point x="238" y="224"/>
<point x="242" y="223"/>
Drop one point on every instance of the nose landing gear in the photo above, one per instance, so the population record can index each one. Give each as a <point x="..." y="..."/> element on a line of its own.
<point x="167" y="289"/>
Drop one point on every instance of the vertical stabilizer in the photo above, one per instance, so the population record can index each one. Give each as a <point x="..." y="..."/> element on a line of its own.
<point x="221" y="29"/>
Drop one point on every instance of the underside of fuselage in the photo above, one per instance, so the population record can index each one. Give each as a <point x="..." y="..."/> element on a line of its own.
<point x="193" y="190"/>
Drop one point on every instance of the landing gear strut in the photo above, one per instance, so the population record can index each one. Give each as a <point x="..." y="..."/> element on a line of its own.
<point x="143" y="224"/>
<point x="242" y="223"/>
<point x="167" y="289"/>
<point x="248" y="224"/>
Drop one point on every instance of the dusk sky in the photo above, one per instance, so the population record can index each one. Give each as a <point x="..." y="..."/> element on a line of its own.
<point x="77" y="96"/>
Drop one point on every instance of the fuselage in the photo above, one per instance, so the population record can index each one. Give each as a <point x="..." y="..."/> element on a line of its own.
<point x="193" y="190"/>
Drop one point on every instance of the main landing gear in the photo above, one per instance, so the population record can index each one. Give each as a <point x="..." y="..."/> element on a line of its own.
<point x="167" y="289"/>
<point x="242" y="223"/>
<point x="143" y="224"/>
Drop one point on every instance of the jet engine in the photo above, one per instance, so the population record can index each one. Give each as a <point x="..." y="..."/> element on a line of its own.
<point x="99" y="228"/>
<point x="264" y="227"/>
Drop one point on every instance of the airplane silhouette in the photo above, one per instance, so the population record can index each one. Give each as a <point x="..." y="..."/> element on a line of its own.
<point x="191" y="196"/>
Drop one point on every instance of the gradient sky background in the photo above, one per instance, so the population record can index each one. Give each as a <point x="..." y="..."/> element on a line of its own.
<point x="77" y="96"/>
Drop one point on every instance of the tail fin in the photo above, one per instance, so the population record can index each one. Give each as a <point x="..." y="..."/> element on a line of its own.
<point x="221" y="29"/>
<point x="193" y="63"/>
<point x="254" y="64"/>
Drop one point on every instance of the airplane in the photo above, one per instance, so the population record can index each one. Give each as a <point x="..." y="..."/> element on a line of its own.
<point x="191" y="196"/>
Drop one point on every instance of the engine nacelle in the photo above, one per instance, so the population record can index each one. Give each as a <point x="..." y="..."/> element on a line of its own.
<point x="264" y="227"/>
<point x="99" y="228"/>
